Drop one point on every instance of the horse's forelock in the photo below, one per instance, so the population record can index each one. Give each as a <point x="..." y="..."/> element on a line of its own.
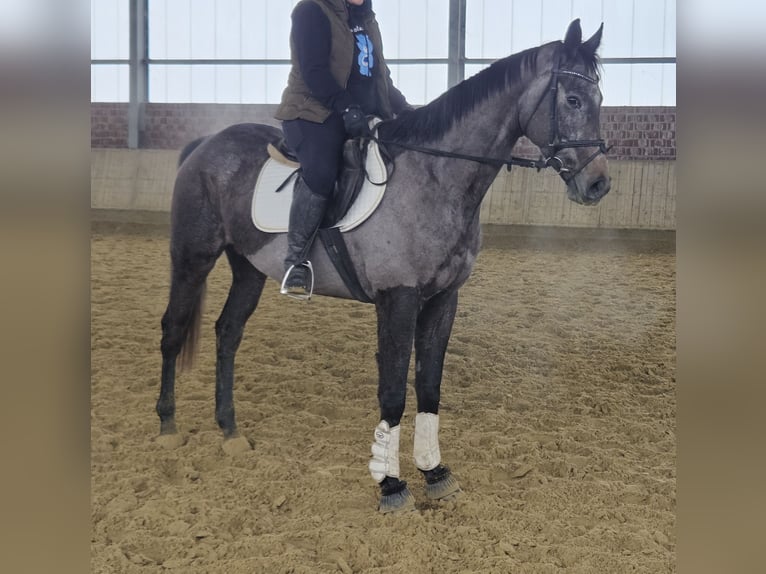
<point x="590" y="60"/>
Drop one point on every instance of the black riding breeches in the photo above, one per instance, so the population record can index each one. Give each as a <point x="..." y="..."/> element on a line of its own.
<point x="319" y="148"/>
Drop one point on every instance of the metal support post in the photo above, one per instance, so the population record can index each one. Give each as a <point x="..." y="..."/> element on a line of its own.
<point x="456" y="55"/>
<point x="139" y="70"/>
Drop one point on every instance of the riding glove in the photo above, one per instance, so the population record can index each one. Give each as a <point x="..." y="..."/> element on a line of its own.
<point x="355" y="122"/>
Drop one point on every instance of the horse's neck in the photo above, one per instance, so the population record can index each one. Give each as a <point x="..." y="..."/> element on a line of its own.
<point x="489" y="131"/>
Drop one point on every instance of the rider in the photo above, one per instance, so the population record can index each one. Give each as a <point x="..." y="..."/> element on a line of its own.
<point x="338" y="77"/>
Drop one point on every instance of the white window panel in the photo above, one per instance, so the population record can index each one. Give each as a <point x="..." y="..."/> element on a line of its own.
<point x="263" y="84"/>
<point x="489" y="29"/>
<point x="178" y="83"/>
<point x="420" y="83"/>
<point x="618" y="29"/>
<point x="668" y="85"/>
<point x="202" y="84"/>
<point x="109" y="83"/>
<point x="649" y="28"/>
<point x="228" y="22"/>
<point x="259" y="29"/>
<point x="414" y="28"/>
<point x="556" y="17"/>
<point x="616" y="85"/>
<point x="203" y="33"/>
<point x="526" y="25"/>
<point x="670" y="29"/>
<point x="109" y="30"/>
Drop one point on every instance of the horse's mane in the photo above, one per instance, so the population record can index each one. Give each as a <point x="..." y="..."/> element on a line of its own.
<point x="433" y="120"/>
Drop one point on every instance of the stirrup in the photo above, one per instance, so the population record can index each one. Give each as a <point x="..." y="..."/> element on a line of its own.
<point x="302" y="295"/>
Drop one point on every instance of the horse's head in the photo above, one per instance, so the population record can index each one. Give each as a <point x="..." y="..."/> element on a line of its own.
<point x="559" y="113"/>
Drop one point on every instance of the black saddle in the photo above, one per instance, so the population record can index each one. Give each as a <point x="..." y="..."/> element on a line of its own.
<point x="350" y="180"/>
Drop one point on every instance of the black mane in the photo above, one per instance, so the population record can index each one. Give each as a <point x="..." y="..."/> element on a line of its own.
<point x="436" y="118"/>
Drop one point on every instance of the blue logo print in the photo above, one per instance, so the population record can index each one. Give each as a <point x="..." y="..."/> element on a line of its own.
<point x="366" y="59"/>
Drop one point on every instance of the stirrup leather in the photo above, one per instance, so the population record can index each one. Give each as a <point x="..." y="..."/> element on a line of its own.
<point x="305" y="296"/>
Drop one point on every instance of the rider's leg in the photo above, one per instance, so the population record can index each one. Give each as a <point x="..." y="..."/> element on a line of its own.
<point x="319" y="148"/>
<point x="306" y="213"/>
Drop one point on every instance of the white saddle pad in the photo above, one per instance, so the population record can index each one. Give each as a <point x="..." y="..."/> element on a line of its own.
<point x="271" y="208"/>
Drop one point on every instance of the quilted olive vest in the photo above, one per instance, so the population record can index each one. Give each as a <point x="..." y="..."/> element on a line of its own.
<point x="297" y="101"/>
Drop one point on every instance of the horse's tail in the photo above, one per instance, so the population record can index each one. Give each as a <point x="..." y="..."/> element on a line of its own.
<point x="188" y="148"/>
<point x="189" y="347"/>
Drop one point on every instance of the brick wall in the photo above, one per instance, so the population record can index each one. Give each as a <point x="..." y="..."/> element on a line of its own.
<point x="640" y="132"/>
<point x="171" y="126"/>
<point x="646" y="133"/>
<point x="109" y="125"/>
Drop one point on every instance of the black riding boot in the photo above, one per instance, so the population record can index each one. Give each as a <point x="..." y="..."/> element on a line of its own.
<point x="306" y="213"/>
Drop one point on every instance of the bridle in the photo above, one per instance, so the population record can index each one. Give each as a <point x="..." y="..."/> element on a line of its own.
<point x="554" y="146"/>
<point x="555" y="143"/>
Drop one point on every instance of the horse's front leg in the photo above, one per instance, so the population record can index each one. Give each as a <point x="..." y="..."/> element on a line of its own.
<point x="397" y="311"/>
<point x="434" y="326"/>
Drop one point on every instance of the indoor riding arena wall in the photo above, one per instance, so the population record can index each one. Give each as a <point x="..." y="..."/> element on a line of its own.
<point x="558" y="400"/>
<point x="642" y="166"/>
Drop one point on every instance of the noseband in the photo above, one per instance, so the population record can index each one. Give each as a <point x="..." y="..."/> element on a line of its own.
<point x="555" y="143"/>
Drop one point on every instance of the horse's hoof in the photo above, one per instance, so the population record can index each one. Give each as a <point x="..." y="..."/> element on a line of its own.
<point x="398" y="502"/>
<point x="236" y="445"/>
<point x="171" y="441"/>
<point x="445" y="490"/>
<point x="442" y="485"/>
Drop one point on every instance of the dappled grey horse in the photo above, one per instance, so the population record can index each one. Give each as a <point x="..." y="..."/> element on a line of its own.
<point x="411" y="256"/>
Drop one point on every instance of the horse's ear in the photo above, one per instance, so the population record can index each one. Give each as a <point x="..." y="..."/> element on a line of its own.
<point x="591" y="45"/>
<point x="574" y="37"/>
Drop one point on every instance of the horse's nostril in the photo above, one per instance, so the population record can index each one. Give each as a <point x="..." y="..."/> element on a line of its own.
<point x="599" y="188"/>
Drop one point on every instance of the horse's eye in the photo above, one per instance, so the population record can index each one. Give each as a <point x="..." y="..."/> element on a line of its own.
<point x="574" y="102"/>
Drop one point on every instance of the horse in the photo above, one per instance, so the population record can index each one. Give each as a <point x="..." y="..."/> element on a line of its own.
<point x="411" y="256"/>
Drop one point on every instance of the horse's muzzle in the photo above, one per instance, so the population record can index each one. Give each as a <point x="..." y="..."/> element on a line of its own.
<point x="598" y="189"/>
<point x="593" y="194"/>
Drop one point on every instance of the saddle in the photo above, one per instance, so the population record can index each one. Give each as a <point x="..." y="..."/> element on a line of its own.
<point x="350" y="181"/>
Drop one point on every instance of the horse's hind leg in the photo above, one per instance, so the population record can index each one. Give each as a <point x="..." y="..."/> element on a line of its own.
<point x="246" y="287"/>
<point x="433" y="331"/>
<point x="180" y="327"/>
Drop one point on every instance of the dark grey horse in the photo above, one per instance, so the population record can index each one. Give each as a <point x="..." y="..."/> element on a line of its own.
<point x="411" y="256"/>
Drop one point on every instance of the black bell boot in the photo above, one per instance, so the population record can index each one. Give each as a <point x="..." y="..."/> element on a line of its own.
<point x="306" y="213"/>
